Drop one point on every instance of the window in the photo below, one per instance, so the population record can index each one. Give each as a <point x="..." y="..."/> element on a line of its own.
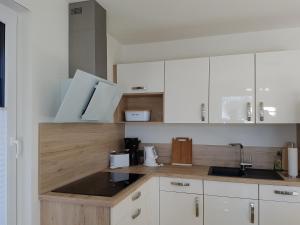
<point x="3" y="130"/>
<point x="2" y="65"/>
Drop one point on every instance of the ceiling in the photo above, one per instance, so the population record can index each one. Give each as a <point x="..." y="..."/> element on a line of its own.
<point x="140" y="21"/>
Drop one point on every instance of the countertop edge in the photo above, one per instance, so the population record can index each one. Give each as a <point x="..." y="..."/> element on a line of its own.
<point x="194" y="172"/>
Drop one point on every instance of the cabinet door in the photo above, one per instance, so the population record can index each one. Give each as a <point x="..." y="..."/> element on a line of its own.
<point x="186" y="90"/>
<point x="152" y="202"/>
<point x="232" y="89"/>
<point x="277" y="87"/>
<point x="230" y="211"/>
<point x="180" y="208"/>
<point x="279" y="213"/>
<point x="145" y="77"/>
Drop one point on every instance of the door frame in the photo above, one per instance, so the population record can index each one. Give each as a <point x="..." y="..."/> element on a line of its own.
<point x="9" y="18"/>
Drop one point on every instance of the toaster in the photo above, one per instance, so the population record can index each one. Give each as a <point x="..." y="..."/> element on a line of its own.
<point x="119" y="159"/>
<point x="138" y="115"/>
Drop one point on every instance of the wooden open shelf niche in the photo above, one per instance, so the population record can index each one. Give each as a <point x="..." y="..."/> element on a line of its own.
<point x="149" y="101"/>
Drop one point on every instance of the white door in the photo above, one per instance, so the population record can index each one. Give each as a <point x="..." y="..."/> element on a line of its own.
<point x="186" y="90"/>
<point x="147" y="77"/>
<point x="180" y="208"/>
<point x="8" y="119"/>
<point x="232" y="89"/>
<point x="279" y="213"/>
<point x="230" y="211"/>
<point x="277" y="87"/>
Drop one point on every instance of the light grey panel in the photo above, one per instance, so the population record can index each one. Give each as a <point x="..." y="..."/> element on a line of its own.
<point x="87" y="38"/>
<point x="82" y="52"/>
<point x="101" y="41"/>
<point x="82" y="16"/>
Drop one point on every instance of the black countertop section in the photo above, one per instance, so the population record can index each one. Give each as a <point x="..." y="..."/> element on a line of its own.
<point x="105" y="184"/>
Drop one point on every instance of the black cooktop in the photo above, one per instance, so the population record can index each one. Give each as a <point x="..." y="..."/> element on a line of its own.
<point x="105" y="184"/>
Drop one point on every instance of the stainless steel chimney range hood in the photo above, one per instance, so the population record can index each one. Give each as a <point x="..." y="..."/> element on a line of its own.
<point x="87" y="38"/>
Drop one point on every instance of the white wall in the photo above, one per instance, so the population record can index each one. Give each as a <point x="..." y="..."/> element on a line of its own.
<point x="42" y="64"/>
<point x="262" y="135"/>
<point x="283" y="39"/>
<point x="248" y="135"/>
<point x="114" y="49"/>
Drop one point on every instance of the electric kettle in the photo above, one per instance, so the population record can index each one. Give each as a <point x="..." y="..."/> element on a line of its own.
<point x="150" y="156"/>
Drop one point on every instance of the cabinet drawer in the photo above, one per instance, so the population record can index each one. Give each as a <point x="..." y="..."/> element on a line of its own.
<point x="279" y="193"/>
<point x="228" y="189"/>
<point x="181" y="185"/>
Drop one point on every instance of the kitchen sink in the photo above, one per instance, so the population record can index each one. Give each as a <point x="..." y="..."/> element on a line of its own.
<point x="248" y="173"/>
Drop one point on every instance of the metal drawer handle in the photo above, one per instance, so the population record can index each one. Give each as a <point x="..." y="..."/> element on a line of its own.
<point x="249" y="112"/>
<point x="136" y="196"/>
<point x="261" y="111"/>
<point x="180" y="184"/>
<point x="290" y="193"/>
<point x="197" y="206"/>
<point x="138" y="88"/>
<point x="137" y="214"/>
<point x="252" y="213"/>
<point x="203" y="112"/>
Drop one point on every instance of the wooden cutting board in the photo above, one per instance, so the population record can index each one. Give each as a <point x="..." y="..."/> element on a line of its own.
<point x="182" y="151"/>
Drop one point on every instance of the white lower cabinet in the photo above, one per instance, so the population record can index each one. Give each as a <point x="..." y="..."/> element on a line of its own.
<point x="279" y="205"/>
<point x="177" y="201"/>
<point x="181" y="208"/>
<point x="230" y="211"/>
<point x="139" y="208"/>
<point x="279" y="213"/>
<point x="227" y="203"/>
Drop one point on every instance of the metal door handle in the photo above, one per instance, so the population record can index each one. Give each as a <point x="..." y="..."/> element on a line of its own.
<point x="203" y="112"/>
<point x="180" y="184"/>
<point x="137" y="214"/>
<point x="252" y="213"/>
<point x="136" y="196"/>
<point x="249" y="112"/>
<point x="138" y="88"/>
<point x="261" y="111"/>
<point x="290" y="193"/>
<point x="197" y="206"/>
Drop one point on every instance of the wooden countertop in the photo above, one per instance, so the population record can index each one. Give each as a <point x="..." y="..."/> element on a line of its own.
<point x="191" y="172"/>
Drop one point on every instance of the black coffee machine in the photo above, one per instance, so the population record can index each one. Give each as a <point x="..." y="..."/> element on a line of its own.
<point x="132" y="144"/>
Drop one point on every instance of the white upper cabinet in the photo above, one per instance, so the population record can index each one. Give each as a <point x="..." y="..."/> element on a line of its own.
<point x="232" y="89"/>
<point x="186" y="90"/>
<point x="145" y="77"/>
<point x="277" y="87"/>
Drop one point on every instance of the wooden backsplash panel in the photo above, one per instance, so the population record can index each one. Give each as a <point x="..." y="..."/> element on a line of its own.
<point x="68" y="152"/>
<point x="215" y="155"/>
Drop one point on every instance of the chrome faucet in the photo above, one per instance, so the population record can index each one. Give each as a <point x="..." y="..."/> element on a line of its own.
<point x="243" y="163"/>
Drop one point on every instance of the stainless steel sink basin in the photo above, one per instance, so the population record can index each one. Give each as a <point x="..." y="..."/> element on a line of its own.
<point x="249" y="173"/>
